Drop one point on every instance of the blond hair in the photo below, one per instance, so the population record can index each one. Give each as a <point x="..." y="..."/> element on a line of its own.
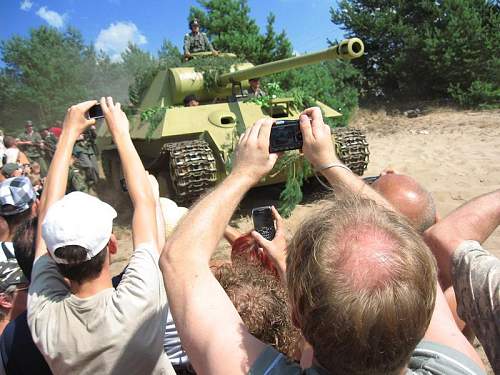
<point x="362" y="286"/>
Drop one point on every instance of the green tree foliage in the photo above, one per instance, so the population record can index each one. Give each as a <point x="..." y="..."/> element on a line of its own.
<point x="168" y="57"/>
<point x="331" y="82"/>
<point x="426" y="48"/>
<point x="231" y="29"/>
<point x="464" y="53"/>
<point x="41" y="73"/>
<point x="136" y="61"/>
<point x="50" y="70"/>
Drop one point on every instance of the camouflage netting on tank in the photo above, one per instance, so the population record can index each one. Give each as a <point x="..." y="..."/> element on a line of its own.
<point x="273" y="90"/>
<point x="212" y="67"/>
<point x="154" y="117"/>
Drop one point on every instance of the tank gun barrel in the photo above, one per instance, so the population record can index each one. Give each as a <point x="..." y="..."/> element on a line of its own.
<point x="347" y="49"/>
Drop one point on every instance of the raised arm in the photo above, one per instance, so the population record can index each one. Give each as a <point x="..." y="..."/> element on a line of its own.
<point x="210" y="328"/>
<point x="443" y="330"/>
<point x="319" y="150"/>
<point x="55" y="184"/>
<point x="475" y="220"/>
<point x="160" y="220"/>
<point x="144" y="229"/>
<point x="473" y="272"/>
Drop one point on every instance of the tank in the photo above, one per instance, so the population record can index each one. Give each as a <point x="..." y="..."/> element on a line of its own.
<point x="189" y="148"/>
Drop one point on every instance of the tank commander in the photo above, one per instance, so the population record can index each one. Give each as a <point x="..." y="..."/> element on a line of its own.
<point x="196" y="41"/>
<point x="255" y="90"/>
<point x="191" y="101"/>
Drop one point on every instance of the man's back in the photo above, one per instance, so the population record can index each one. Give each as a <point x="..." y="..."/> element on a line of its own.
<point x="111" y="332"/>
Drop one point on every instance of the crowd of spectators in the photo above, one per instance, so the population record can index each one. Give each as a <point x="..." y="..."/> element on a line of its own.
<point x="30" y="154"/>
<point x="373" y="281"/>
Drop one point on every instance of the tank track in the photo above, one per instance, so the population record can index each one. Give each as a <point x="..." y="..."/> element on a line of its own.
<point x="352" y="149"/>
<point x="192" y="168"/>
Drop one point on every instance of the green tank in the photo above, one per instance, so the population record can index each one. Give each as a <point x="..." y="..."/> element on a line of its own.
<point x="188" y="151"/>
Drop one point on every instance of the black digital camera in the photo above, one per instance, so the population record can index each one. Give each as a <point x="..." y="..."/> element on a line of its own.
<point x="95" y="112"/>
<point x="285" y="135"/>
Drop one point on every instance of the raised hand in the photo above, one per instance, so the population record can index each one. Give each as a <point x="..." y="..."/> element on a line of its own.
<point x="75" y="120"/>
<point x="318" y="146"/>
<point x="252" y="158"/>
<point x="116" y="119"/>
<point x="275" y="249"/>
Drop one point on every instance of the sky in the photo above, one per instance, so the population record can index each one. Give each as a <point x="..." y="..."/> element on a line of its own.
<point x="111" y="24"/>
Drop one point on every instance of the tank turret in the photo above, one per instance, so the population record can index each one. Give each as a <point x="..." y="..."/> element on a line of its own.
<point x="184" y="81"/>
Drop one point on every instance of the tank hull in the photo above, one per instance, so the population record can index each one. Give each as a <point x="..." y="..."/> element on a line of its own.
<point x="218" y="124"/>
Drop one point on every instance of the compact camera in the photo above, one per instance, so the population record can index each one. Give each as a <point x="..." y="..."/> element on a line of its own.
<point x="285" y="135"/>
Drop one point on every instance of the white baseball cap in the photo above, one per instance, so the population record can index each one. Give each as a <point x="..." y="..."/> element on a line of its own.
<point x="78" y="219"/>
<point x="172" y="214"/>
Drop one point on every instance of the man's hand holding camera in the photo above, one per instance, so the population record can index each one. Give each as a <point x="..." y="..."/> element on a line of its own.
<point x="115" y="118"/>
<point x="253" y="160"/>
<point x="318" y="146"/>
<point x="75" y="121"/>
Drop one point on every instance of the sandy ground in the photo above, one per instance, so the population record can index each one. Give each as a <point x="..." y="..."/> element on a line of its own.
<point x="454" y="154"/>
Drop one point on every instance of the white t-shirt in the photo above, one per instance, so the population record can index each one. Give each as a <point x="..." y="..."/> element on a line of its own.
<point x="172" y="344"/>
<point x="12" y="155"/>
<point x="117" y="331"/>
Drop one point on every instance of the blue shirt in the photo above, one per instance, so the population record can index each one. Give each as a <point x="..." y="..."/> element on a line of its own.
<point x="19" y="354"/>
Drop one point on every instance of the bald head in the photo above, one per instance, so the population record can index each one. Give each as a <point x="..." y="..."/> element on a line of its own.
<point x="409" y="198"/>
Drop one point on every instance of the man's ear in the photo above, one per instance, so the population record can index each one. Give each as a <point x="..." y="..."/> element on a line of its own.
<point x="112" y="245"/>
<point x="5" y="301"/>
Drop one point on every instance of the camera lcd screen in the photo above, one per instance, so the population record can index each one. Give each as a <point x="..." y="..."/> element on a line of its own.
<point x="95" y="112"/>
<point x="263" y="222"/>
<point x="285" y="135"/>
<point x="263" y="216"/>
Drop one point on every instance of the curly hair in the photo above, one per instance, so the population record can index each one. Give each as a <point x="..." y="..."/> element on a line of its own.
<point x="261" y="302"/>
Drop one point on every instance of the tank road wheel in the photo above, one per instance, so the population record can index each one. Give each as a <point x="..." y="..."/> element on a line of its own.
<point x="352" y="149"/>
<point x="192" y="169"/>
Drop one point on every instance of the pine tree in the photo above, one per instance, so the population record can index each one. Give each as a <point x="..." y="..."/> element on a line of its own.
<point x="427" y="48"/>
<point x="231" y="29"/>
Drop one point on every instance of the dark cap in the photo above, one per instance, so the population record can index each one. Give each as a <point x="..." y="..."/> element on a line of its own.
<point x="194" y="22"/>
<point x="10" y="168"/>
<point x="10" y="275"/>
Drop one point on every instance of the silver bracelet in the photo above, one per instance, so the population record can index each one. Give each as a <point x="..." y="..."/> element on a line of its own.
<point x="323" y="167"/>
